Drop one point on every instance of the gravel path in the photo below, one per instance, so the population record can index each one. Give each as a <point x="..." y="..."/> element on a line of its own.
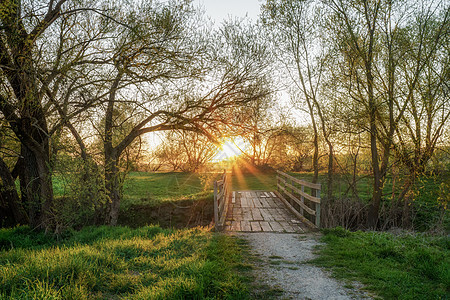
<point x="282" y="266"/>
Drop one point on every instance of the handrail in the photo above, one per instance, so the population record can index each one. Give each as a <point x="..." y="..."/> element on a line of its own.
<point x="221" y="200"/>
<point x="287" y="189"/>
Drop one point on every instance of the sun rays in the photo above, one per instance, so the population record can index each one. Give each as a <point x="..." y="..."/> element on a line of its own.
<point x="230" y="149"/>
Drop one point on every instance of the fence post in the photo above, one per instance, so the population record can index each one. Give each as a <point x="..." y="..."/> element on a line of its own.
<point x="302" y="199"/>
<point x="292" y="192"/>
<point x="318" y="209"/>
<point x="216" y="206"/>
<point x="278" y="181"/>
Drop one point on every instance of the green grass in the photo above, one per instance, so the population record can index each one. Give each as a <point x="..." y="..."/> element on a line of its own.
<point x="394" y="267"/>
<point x="154" y="188"/>
<point x="119" y="262"/>
<point x="257" y="181"/>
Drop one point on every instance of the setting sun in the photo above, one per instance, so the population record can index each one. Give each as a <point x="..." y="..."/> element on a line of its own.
<point x="230" y="148"/>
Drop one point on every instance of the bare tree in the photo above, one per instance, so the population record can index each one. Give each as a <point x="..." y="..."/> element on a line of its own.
<point x="294" y="26"/>
<point x="371" y="38"/>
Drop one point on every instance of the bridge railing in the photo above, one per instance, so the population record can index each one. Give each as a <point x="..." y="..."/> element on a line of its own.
<point x="292" y="192"/>
<point x="222" y="193"/>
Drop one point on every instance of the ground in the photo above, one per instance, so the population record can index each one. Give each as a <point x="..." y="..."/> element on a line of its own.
<point x="282" y="265"/>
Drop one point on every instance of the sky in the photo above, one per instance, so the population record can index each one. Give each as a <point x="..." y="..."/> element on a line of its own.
<point x="219" y="10"/>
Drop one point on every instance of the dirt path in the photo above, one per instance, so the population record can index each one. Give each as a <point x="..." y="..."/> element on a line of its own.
<point x="282" y="266"/>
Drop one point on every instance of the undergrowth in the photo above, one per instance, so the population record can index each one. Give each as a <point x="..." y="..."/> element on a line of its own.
<point x="393" y="266"/>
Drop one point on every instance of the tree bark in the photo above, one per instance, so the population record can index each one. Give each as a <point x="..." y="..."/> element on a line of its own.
<point x="9" y="197"/>
<point x="113" y="186"/>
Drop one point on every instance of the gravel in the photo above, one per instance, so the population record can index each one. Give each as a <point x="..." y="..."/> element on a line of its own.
<point x="283" y="265"/>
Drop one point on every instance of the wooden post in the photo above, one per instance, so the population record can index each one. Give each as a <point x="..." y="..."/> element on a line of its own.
<point x="302" y="199"/>
<point x="318" y="210"/>
<point x="292" y="191"/>
<point x="216" y="207"/>
<point x="278" y="182"/>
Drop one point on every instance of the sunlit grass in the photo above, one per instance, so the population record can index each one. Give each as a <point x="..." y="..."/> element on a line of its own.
<point x="154" y="188"/>
<point x="394" y="267"/>
<point x="113" y="262"/>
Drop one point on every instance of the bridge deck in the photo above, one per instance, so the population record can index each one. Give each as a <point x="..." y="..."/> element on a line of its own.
<point x="252" y="211"/>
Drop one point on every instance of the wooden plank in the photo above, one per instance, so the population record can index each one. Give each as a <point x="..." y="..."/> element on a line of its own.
<point x="265" y="226"/>
<point x="216" y="204"/>
<point x="237" y="211"/>
<point x="233" y="199"/>
<point x="300" y="192"/>
<point x="221" y="206"/>
<point x="297" y="228"/>
<point x="286" y="226"/>
<point x="238" y="217"/>
<point x="220" y="195"/>
<point x="266" y="215"/>
<point x="264" y="202"/>
<point x="236" y="226"/>
<point x="256" y="202"/>
<point x="245" y="202"/>
<point x="316" y="186"/>
<point x="296" y="213"/>
<point x="257" y="215"/>
<point x="276" y="226"/>
<point x="238" y="201"/>
<point x="275" y="214"/>
<point x="245" y="226"/>
<point x="273" y="194"/>
<point x="284" y="212"/>
<point x="247" y="213"/>
<point x="255" y="226"/>
<point x="276" y="202"/>
<point x="302" y="205"/>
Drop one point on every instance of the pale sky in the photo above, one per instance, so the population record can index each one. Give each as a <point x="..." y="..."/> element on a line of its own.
<point x="219" y="10"/>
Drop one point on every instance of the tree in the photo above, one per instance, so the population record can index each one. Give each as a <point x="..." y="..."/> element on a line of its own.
<point x="294" y="27"/>
<point x="371" y="37"/>
<point x="21" y="100"/>
<point x="48" y="53"/>
<point x="161" y="66"/>
<point x="186" y="151"/>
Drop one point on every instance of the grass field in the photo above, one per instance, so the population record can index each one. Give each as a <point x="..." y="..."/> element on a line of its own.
<point x="150" y="262"/>
<point x="394" y="267"/>
<point x="154" y="188"/>
<point x="116" y="262"/>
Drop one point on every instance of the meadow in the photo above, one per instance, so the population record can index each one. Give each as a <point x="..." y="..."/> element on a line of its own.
<point x="120" y="262"/>
<point x="149" y="261"/>
<point x="394" y="266"/>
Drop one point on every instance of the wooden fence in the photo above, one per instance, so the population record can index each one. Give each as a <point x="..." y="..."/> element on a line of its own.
<point x="292" y="192"/>
<point x="221" y="200"/>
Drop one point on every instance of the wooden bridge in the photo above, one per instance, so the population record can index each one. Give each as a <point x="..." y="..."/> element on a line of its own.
<point x="290" y="209"/>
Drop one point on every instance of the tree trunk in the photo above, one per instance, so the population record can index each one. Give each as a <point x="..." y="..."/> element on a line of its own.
<point x="36" y="188"/>
<point x="330" y="171"/>
<point x="316" y="150"/>
<point x="377" y="180"/>
<point x="9" y="199"/>
<point x="113" y="186"/>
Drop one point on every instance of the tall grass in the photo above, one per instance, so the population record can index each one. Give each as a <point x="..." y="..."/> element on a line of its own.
<point x="114" y="262"/>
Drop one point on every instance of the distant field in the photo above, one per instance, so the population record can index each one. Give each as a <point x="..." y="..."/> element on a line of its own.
<point x="155" y="189"/>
